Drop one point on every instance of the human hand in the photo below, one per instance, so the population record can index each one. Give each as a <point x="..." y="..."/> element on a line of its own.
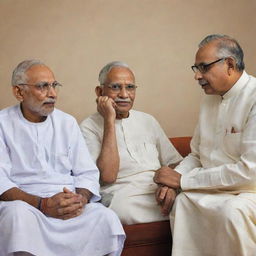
<point x="64" y="205"/>
<point x="106" y="107"/>
<point x="86" y="195"/>
<point x="165" y="197"/>
<point x="167" y="176"/>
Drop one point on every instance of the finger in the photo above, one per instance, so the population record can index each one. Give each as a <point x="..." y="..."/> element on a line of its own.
<point x="82" y="199"/>
<point x="72" y="209"/>
<point x="100" y="99"/>
<point x="104" y="99"/>
<point x="74" y="199"/>
<point x="62" y="199"/>
<point x="114" y="104"/>
<point x="155" y="178"/>
<point x="158" y="190"/>
<point x="69" y="216"/>
<point x="168" y="202"/>
<point x="66" y="190"/>
<point x="56" y="199"/>
<point x="163" y="193"/>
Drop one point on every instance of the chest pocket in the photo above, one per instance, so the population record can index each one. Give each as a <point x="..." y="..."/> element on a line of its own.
<point x="232" y="144"/>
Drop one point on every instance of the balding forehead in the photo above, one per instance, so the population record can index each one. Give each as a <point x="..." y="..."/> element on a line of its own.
<point x="209" y="50"/>
<point x="39" y="68"/>
<point x="118" y="70"/>
<point x="41" y="72"/>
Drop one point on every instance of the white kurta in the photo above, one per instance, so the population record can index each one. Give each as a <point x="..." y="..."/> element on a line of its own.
<point x="41" y="159"/>
<point x="216" y="215"/>
<point x="143" y="148"/>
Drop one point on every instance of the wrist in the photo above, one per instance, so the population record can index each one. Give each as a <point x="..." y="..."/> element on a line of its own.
<point x="109" y="122"/>
<point x="43" y="204"/>
<point x="87" y="197"/>
<point x="39" y="201"/>
<point x="85" y="193"/>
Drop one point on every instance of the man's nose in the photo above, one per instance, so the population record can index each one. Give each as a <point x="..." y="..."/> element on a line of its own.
<point x="51" y="92"/>
<point x="123" y="93"/>
<point x="198" y="75"/>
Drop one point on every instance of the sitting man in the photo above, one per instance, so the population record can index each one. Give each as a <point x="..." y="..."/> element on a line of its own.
<point x="128" y="147"/>
<point x="48" y="181"/>
<point x="216" y="214"/>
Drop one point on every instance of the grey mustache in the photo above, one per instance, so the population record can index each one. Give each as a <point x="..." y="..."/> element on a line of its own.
<point x="122" y="100"/>
<point x="202" y="82"/>
<point x="49" y="101"/>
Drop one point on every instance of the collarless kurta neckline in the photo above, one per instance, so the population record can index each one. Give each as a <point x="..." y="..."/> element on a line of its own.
<point x="31" y="123"/>
<point x="239" y="85"/>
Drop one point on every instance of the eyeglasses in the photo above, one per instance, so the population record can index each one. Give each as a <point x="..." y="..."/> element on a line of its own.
<point x="116" y="88"/>
<point x="203" y="68"/>
<point x="44" y="87"/>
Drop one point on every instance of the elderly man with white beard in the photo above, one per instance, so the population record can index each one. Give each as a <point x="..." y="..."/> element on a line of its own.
<point x="128" y="147"/>
<point x="49" y="185"/>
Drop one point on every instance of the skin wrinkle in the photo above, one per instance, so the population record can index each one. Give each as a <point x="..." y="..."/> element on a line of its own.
<point x="36" y="106"/>
<point x="116" y="105"/>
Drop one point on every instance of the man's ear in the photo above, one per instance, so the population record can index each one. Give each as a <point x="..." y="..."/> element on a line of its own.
<point x="98" y="91"/>
<point x="18" y="93"/>
<point x="231" y="65"/>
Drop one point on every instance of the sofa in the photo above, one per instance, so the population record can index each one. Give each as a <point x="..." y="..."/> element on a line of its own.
<point x="153" y="239"/>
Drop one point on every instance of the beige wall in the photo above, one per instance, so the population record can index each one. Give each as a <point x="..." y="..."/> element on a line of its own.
<point x="157" y="38"/>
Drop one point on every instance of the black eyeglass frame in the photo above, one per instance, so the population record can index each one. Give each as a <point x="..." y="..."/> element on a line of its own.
<point x="203" y="68"/>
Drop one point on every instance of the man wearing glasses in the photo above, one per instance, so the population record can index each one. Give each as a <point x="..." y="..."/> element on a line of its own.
<point x="128" y="147"/>
<point x="48" y="181"/>
<point x="216" y="213"/>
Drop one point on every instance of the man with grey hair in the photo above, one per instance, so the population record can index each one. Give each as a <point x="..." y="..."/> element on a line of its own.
<point x="128" y="147"/>
<point x="216" y="213"/>
<point x="49" y="184"/>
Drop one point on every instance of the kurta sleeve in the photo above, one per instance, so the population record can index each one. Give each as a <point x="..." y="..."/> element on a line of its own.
<point x="191" y="161"/>
<point x="239" y="175"/>
<point x="91" y="138"/>
<point x="167" y="152"/>
<point x="86" y="173"/>
<point x="5" y="167"/>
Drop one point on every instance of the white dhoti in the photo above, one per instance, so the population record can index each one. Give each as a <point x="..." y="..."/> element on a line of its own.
<point x="96" y="232"/>
<point x="133" y="199"/>
<point x="214" y="224"/>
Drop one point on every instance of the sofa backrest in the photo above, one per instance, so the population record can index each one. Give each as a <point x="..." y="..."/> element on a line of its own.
<point x="182" y="144"/>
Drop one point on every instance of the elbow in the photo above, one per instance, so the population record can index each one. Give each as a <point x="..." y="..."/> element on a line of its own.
<point x="108" y="174"/>
<point x="107" y="179"/>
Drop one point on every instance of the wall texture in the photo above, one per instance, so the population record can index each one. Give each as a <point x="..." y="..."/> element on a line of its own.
<point x="158" y="39"/>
